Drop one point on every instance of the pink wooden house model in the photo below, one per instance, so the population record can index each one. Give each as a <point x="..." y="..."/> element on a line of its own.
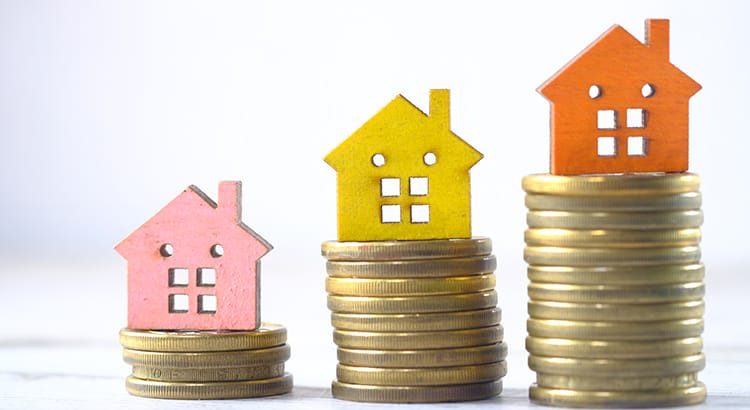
<point x="195" y="265"/>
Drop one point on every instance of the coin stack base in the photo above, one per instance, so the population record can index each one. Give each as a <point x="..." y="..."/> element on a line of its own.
<point x="616" y="290"/>
<point x="203" y="365"/>
<point x="415" y="321"/>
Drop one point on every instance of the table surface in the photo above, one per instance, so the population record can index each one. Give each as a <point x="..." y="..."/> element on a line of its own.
<point x="62" y="351"/>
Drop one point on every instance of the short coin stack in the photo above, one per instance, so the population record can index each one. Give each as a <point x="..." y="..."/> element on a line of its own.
<point x="616" y="293"/>
<point x="415" y="321"/>
<point x="206" y="364"/>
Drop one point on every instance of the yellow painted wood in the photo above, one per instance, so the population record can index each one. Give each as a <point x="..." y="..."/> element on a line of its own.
<point x="402" y="134"/>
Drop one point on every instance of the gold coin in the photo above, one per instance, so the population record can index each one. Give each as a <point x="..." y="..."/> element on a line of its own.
<point x="556" y="256"/>
<point x="207" y="391"/>
<point x="636" y="203"/>
<point x="413" y="304"/>
<point x="676" y="381"/>
<point x="615" y="220"/>
<point x="619" y="399"/>
<point x="431" y="376"/>
<point x="612" y="238"/>
<point x="406" y="250"/>
<point x="418" y="340"/>
<point x="267" y="335"/>
<point x="472" y="265"/>
<point x="416" y="394"/>
<point x="212" y="360"/>
<point x="209" y="375"/>
<point x="613" y="349"/>
<point x="463" y="356"/>
<point x="617" y="275"/>
<point x="598" y="312"/>
<point x="617" y="294"/>
<point x="416" y="322"/>
<point x="571" y="329"/>
<point x="567" y="366"/>
<point x="641" y="184"/>
<point x="409" y="286"/>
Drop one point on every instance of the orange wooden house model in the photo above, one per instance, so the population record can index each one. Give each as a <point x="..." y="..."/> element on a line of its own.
<point x="620" y="106"/>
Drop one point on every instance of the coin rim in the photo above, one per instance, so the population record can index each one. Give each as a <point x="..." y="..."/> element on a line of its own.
<point x="611" y="184"/>
<point x="210" y="359"/>
<point x="406" y="250"/>
<point x="267" y="335"/>
<point x="613" y="349"/>
<point x="405" y="322"/>
<point x="618" y="399"/>
<point x="416" y="394"/>
<point x="418" y="340"/>
<point x="472" y="355"/>
<point x="603" y="330"/>
<point x="209" y="390"/>
<point x="410" y="286"/>
<point x="421" y="376"/>
<point x="412" y="304"/>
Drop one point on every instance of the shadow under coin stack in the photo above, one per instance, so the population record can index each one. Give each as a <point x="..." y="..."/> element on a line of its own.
<point x="616" y="293"/>
<point x="206" y="364"/>
<point x="415" y="321"/>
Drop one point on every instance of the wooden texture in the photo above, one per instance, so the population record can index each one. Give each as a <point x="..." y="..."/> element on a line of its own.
<point x="192" y="224"/>
<point x="405" y="139"/>
<point x="620" y="66"/>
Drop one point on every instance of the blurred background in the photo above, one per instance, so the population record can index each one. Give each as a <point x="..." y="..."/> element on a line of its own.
<point x="109" y="109"/>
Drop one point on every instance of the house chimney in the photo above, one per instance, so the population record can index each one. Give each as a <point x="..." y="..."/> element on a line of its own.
<point x="440" y="107"/>
<point x="230" y="198"/>
<point x="657" y="37"/>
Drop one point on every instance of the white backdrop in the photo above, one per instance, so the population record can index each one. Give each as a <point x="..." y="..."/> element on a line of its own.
<point x="109" y="109"/>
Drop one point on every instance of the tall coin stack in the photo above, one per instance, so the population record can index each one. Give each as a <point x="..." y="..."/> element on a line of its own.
<point x="616" y="293"/>
<point x="415" y="321"/>
<point x="207" y="365"/>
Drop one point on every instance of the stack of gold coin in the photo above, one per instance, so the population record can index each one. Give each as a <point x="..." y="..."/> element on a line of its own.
<point x="415" y="321"/>
<point x="207" y="364"/>
<point x="616" y="293"/>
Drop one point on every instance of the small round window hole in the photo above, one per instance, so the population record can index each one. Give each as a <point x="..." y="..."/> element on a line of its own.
<point x="595" y="92"/>
<point x="166" y="250"/>
<point x="217" y="251"/>
<point x="648" y="90"/>
<point x="378" y="160"/>
<point x="430" y="158"/>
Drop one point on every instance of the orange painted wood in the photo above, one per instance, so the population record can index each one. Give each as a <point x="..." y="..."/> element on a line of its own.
<point x="620" y="66"/>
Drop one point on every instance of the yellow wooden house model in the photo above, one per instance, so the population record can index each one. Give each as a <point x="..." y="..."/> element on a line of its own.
<point x="404" y="175"/>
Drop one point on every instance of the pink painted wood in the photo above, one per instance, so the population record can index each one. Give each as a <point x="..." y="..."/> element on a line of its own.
<point x="195" y="229"/>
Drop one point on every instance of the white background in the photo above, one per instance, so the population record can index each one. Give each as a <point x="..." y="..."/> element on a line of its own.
<point x="109" y="109"/>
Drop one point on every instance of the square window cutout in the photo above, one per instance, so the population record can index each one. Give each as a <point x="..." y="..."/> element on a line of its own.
<point x="606" y="119"/>
<point x="420" y="214"/>
<point x="636" y="118"/>
<point x="178" y="277"/>
<point x="206" y="303"/>
<point x="206" y="277"/>
<point x="606" y="146"/>
<point x="390" y="187"/>
<point x="178" y="303"/>
<point x="637" y="146"/>
<point x="418" y="186"/>
<point x="390" y="214"/>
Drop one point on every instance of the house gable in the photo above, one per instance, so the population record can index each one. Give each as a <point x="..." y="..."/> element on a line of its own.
<point x="401" y="129"/>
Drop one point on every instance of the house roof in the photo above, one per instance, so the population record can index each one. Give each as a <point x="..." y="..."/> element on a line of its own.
<point x="401" y="114"/>
<point x="202" y="209"/>
<point x="616" y="54"/>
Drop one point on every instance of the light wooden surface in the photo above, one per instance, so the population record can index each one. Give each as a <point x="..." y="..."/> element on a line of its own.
<point x="59" y="349"/>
